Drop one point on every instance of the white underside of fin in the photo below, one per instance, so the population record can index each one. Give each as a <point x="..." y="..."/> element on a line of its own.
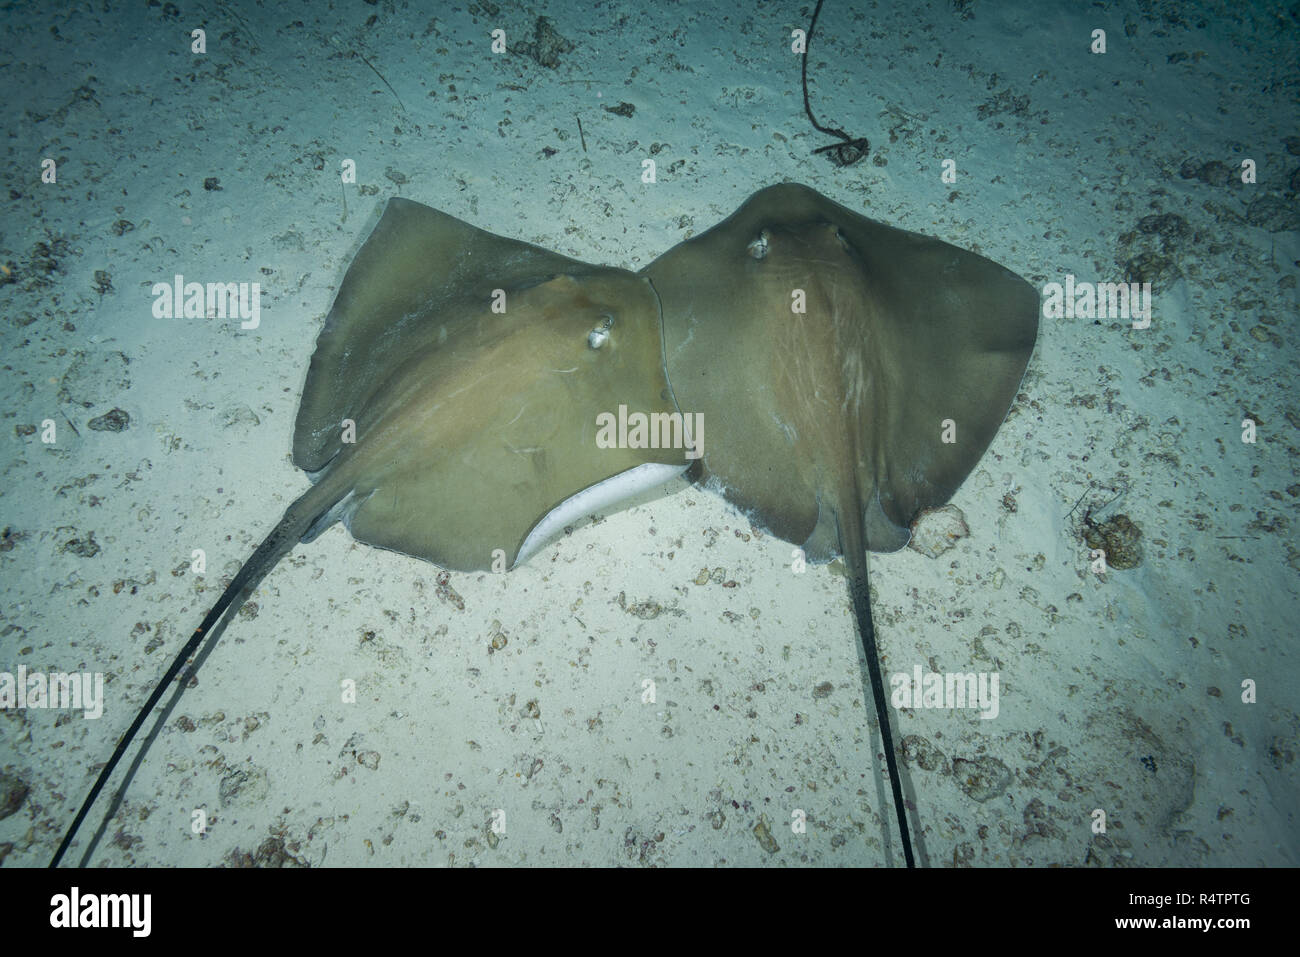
<point x="340" y="511"/>
<point x="600" y="496"/>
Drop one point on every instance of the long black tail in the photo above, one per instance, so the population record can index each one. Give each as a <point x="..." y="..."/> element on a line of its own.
<point x="281" y="540"/>
<point x="866" y="630"/>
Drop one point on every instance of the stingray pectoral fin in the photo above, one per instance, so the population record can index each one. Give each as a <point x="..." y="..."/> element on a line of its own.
<point x="416" y="280"/>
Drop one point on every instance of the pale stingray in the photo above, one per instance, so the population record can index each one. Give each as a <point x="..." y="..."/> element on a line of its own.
<point x="472" y="424"/>
<point x="453" y="409"/>
<point x="847" y="374"/>
<point x="850" y="375"/>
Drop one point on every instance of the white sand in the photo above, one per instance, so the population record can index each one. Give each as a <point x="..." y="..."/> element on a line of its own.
<point x="1096" y="675"/>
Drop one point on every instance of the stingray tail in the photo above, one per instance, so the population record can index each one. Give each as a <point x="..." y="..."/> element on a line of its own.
<point x="855" y="560"/>
<point x="301" y="516"/>
<point x="862" y="606"/>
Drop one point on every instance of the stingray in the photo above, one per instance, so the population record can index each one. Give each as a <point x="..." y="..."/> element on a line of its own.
<point x="453" y="409"/>
<point x="459" y="404"/>
<point x="851" y="375"/>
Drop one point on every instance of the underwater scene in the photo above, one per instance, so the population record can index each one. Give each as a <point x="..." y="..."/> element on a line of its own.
<point x="820" y="434"/>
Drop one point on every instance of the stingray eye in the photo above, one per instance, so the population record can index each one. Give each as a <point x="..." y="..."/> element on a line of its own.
<point x="758" y="246"/>
<point x="600" y="335"/>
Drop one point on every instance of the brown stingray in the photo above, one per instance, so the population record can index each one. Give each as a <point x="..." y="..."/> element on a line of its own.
<point x="472" y="426"/>
<point x="850" y="375"/>
<point x="453" y="407"/>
